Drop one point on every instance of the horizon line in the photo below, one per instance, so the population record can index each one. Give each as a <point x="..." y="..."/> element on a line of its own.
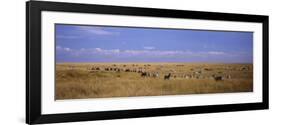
<point x="167" y="62"/>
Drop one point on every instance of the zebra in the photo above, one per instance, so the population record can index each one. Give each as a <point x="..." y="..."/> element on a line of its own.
<point x="218" y="78"/>
<point x="144" y="74"/>
<point x="167" y="77"/>
<point x="155" y="74"/>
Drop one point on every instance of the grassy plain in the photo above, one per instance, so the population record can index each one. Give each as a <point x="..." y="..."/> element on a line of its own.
<point x="80" y="81"/>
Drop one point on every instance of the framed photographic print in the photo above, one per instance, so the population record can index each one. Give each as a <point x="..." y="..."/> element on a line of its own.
<point x="95" y="62"/>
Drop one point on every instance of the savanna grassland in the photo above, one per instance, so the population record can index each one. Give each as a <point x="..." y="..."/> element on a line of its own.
<point x="101" y="80"/>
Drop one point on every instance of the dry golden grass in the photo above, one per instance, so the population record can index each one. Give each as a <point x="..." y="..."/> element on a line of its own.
<point x="76" y="81"/>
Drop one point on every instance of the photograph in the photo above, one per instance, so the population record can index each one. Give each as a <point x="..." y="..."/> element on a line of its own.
<point x="89" y="62"/>
<point x="96" y="61"/>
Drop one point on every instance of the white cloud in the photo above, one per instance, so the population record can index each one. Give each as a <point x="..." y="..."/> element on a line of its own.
<point x="149" y="47"/>
<point x="110" y="51"/>
<point x="65" y="49"/>
<point x="157" y="52"/>
<point x="96" y="30"/>
<point x="136" y="52"/>
<point x="216" y="53"/>
<point x="115" y="51"/>
<point x="140" y="53"/>
<point x="98" y="49"/>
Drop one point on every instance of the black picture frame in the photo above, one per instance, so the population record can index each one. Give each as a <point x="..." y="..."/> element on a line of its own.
<point x="33" y="61"/>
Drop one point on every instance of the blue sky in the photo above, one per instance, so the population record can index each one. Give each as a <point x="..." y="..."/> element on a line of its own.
<point x="77" y="43"/>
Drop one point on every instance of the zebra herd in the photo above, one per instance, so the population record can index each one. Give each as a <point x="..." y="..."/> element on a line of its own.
<point x="144" y="73"/>
<point x="150" y="74"/>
